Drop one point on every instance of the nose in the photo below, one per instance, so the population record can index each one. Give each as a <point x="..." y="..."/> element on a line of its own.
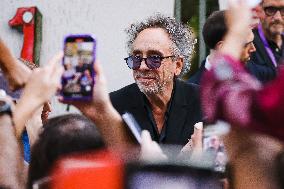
<point x="277" y="15"/>
<point x="252" y="48"/>
<point x="143" y="65"/>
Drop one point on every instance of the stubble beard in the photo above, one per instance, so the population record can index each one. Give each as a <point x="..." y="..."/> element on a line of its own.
<point x="272" y="29"/>
<point x="156" y="86"/>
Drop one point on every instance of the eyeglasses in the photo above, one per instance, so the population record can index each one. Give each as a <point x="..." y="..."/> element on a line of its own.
<point x="271" y="11"/>
<point x="152" y="62"/>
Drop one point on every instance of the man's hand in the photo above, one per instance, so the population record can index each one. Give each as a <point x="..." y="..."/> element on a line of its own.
<point x="101" y="111"/>
<point x="150" y="150"/>
<point x="238" y="27"/>
<point x="195" y="144"/>
<point x="100" y="100"/>
<point x="41" y="86"/>
<point x="44" y="82"/>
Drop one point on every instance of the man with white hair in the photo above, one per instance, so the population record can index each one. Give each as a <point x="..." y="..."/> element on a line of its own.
<point x="159" y="51"/>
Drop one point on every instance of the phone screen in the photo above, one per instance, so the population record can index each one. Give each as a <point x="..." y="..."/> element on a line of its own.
<point x="78" y="75"/>
<point x="171" y="176"/>
<point x="213" y="144"/>
<point x="133" y="126"/>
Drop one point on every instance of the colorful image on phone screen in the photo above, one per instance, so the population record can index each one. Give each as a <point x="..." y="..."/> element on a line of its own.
<point x="77" y="79"/>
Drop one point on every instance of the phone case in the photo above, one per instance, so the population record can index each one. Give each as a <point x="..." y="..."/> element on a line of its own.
<point x="78" y="78"/>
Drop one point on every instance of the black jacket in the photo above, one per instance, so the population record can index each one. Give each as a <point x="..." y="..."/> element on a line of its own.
<point x="196" y="77"/>
<point x="185" y="110"/>
<point x="261" y="65"/>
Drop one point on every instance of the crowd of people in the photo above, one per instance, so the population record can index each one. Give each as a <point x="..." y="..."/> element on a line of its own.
<point x="241" y="82"/>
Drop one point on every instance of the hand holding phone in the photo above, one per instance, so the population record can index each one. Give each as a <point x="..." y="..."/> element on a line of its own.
<point x="78" y="77"/>
<point x="150" y="150"/>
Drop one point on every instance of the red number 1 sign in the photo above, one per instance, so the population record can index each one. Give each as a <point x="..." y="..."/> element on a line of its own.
<point x="28" y="20"/>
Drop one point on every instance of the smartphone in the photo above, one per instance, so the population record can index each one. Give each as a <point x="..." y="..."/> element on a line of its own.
<point x="78" y="77"/>
<point x="224" y="4"/>
<point x="133" y="126"/>
<point x="214" y="146"/>
<point x="170" y="175"/>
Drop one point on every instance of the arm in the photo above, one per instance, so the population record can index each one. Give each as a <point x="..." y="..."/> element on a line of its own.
<point x="33" y="125"/>
<point x="11" y="161"/>
<point x="103" y="114"/>
<point x="41" y="86"/>
<point x="238" y="28"/>
<point x="16" y="72"/>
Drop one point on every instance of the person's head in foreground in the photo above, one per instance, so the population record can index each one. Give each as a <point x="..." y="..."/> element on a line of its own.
<point x="62" y="135"/>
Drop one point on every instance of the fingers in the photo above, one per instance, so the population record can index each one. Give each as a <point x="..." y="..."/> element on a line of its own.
<point x="232" y="3"/>
<point x="146" y="138"/>
<point x="54" y="60"/>
<point x="56" y="75"/>
<point x="150" y="150"/>
<point x="55" y="65"/>
<point x="197" y="136"/>
<point x="148" y="142"/>
<point x="97" y="67"/>
<point x="187" y="147"/>
<point x="54" y="70"/>
<point x="198" y="130"/>
<point x="99" y="72"/>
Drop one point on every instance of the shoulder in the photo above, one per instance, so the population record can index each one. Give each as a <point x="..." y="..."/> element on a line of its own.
<point x="125" y="96"/>
<point x="132" y="88"/>
<point x="188" y="89"/>
<point x="187" y="98"/>
<point x="186" y="85"/>
<point x="196" y="77"/>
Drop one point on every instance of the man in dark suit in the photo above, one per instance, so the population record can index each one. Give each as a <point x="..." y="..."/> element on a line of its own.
<point x="268" y="41"/>
<point x="214" y="31"/>
<point x="161" y="103"/>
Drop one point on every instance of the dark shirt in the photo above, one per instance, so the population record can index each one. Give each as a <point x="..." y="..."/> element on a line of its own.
<point x="196" y="77"/>
<point x="158" y="137"/>
<point x="182" y="113"/>
<point x="278" y="52"/>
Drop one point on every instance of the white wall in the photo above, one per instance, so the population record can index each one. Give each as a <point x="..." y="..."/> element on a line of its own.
<point x="106" y="19"/>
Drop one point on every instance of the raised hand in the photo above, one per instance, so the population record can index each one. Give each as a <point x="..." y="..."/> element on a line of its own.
<point x="40" y="87"/>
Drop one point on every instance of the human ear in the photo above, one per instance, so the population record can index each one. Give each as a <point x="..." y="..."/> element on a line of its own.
<point x="179" y="65"/>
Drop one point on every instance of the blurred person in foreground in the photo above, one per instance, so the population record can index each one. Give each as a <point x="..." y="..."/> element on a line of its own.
<point x="14" y="117"/>
<point x="255" y="112"/>
<point x="11" y="160"/>
<point x="61" y="136"/>
<point x="10" y="67"/>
